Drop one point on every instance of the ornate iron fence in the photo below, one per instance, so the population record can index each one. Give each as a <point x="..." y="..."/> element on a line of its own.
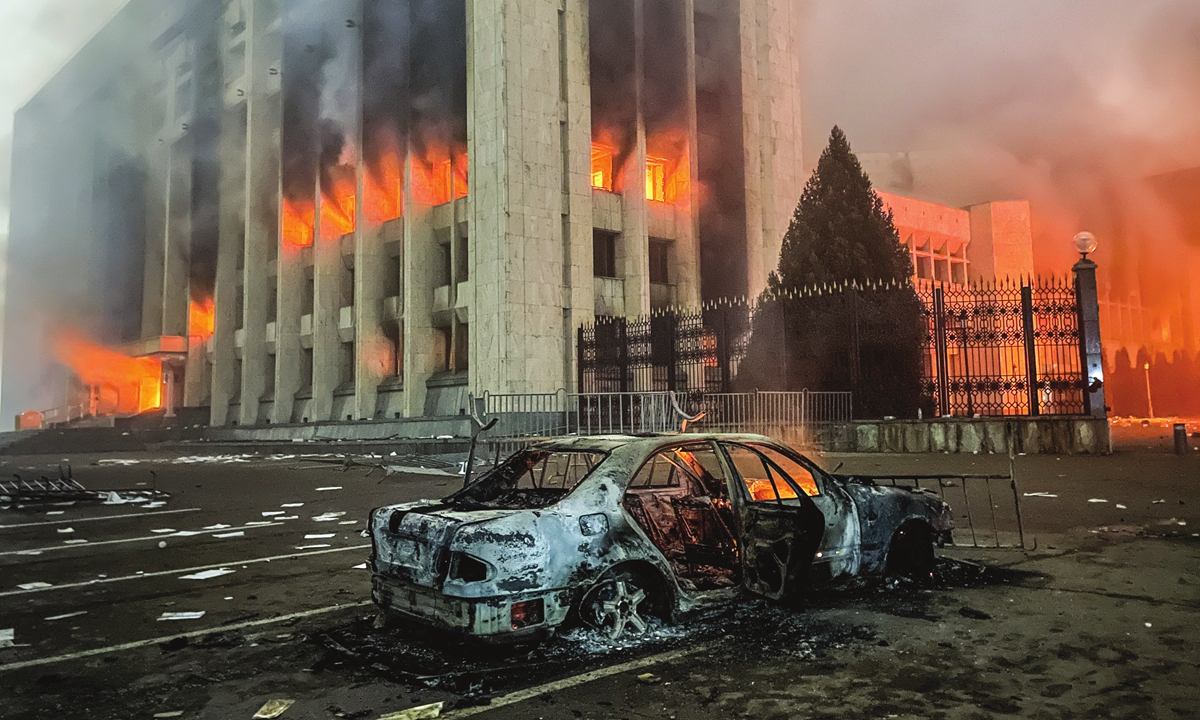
<point x="996" y="349"/>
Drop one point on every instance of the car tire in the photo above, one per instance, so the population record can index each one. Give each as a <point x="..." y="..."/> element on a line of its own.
<point x="911" y="552"/>
<point x="618" y="605"/>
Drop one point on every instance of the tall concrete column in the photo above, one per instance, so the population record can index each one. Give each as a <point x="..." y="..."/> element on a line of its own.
<point x="176" y="267"/>
<point x="771" y="121"/>
<point x="158" y="162"/>
<point x="575" y="108"/>
<point x="327" y="303"/>
<point x="264" y="50"/>
<point x="226" y="381"/>
<point x="422" y="341"/>
<point x="634" y="252"/>
<point x="289" y="350"/>
<point x="516" y="199"/>
<point x="687" y="244"/>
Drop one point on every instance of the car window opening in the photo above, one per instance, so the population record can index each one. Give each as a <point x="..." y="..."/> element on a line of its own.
<point x="764" y="480"/>
<point x="680" y="499"/>
<point x="529" y="480"/>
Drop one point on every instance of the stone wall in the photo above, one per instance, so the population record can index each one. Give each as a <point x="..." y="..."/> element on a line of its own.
<point x="1051" y="436"/>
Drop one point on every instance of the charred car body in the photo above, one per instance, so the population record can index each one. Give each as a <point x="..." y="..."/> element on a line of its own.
<point x="610" y="530"/>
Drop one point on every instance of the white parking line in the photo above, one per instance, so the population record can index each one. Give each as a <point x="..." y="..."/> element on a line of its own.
<point x="560" y="685"/>
<point x="193" y="634"/>
<point x="180" y="534"/>
<point x="97" y="519"/>
<point x="200" y="568"/>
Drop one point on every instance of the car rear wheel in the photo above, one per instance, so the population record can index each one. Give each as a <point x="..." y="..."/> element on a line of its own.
<point x="911" y="553"/>
<point x="617" y="605"/>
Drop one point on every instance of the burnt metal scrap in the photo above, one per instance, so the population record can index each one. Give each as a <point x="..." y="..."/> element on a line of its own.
<point x="614" y="532"/>
<point x="46" y="490"/>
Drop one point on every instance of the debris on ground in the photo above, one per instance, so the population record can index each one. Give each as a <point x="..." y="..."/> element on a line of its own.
<point x="423" y="712"/>
<point x="972" y="614"/>
<point x="182" y="615"/>
<point x="7" y="637"/>
<point x="273" y="709"/>
<point x="649" y="679"/>
<point x="169" y="714"/>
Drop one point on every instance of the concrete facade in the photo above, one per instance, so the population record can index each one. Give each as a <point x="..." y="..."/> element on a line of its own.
<point x="484" y="289"/>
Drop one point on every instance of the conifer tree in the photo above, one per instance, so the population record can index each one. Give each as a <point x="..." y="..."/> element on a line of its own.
<point x="825" y="323"/>
<point x="840" y="231"/>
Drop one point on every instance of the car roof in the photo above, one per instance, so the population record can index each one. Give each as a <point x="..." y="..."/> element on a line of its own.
<point x="648" y="443"/>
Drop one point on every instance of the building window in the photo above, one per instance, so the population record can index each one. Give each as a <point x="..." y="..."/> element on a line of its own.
<point x="462" y="348"/>
<point x="660" y="261"/>
<point x="602" y="166"/>
<point x="604" y="254"/>
<point x="348" y="288"/>
<point x="656" y="179"/>
<point x="347" y="365"/>
<point x="273" y="300"/>
<point x="306" y="367"/>
<point x="464" y="273"/>
<point x="445" y="345"/>
<point x="310" y="293"/>
<point x="445" y="265"/>
<point x="395" y="360"/>
<point x="269" y="378"/>
<point x="391" y="283"/>
<point x="240" y="308"/>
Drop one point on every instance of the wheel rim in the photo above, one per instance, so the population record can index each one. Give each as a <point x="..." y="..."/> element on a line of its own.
<point x="618" y="610"/>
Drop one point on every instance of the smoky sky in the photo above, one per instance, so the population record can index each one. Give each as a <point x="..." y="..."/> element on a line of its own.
<point x="1072" y="104"/>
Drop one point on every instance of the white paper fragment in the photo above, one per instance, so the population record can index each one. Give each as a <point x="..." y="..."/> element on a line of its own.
<point x="53" y="618"/>
<point x="30" y="552"/>
<point x="1149" y="625"/>
<point x="223" y="536"/>
<point x="348" y="522"/>
<point x="329" y="489"/>
<point x="272" y="513"/>
<point x="35" y="586"/>
<point x="360" y="566"/>
<point x="171" y="714"/>
<point x="218" y="526"/>
<point x="1041" y="495"/>
<point x="1121" y="507"/>
<point x="155" y="504"/>
<point x="56" y="512"/>
<point x="188" y="533"/>
<point x="6" y="638"/>
<point x="258" y="523"/>
<point x="65" y="531"/>
<point x="273" y="709"/>
<point x="208" y="574"/>
<point x="292" y="505"/>
<point x="164" y="531"/>
<point x="74" y="542"/>
<point x="289" y="517"/>
<point x="1158" y="502"/>
<point x="329" y="517"/>
<point x="319" y="536"/>
<point x="1097" y="500"/>
<point x="311" y="547"/>
<point x="182" y="615"/>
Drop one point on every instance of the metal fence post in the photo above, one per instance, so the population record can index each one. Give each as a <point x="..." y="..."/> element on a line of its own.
<point x="1091" y="358"/>
<point x="942" y="353"/>
<point x="1031" y="358"/>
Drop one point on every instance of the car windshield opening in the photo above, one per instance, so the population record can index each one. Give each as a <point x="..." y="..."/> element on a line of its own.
<point x="530" y="479"/>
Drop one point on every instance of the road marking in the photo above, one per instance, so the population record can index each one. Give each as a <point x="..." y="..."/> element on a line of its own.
<point x="201" y="568"/>
<point x="180" y="534"/>
<point x="193" y="634"/>
<point x="97" y="519"/>
<point x="565" y="683"/>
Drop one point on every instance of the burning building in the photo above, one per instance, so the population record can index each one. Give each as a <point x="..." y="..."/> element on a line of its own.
<point x="330" y="210"/>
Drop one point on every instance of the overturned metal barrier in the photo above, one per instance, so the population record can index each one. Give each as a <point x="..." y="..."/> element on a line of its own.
<point x="44" y="491"/>
<point x="987" y="508"/>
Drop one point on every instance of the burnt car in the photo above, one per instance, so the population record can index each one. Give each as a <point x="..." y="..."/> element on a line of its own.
<point x="608" y="531"/>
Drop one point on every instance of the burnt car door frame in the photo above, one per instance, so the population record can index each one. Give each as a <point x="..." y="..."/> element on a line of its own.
<point x="841" y="547"/>
<point x="777" y="541"/>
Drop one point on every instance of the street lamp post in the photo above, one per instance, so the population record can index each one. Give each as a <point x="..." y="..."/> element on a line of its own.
<point x="1149" y="397"/>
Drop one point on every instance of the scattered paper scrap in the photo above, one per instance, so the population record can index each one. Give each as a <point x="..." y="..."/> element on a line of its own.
<point x="1121" y="507"/>
<point x="1157" y="502"/>
<point x="154" y="505"/>
<point x="258" y="523"/>
<point x="421" y="712"/>
<point x="188" y="533"/>
<point x="1041" y="495"/>
<point x="329" y="516"/>
<point x="30" y="552"/>
<point x="319" y="536"/>
<point x="218" y="526"/>
<point x="360" y="566"/>
<point x="649" y="679"/>
<point x="56" y="512"/>
<point x="348" y="522"/>
<point x="329" y="489"/>
<point x="182" y="615"/>
<point x="207" y="574"/>
<point x="312" y="547"/>
<point x="292" y="505"/>
<point x="35" y="586"/>
<point x="239" y="533"/>
<point x="289" y="517"/>
<point x="74" y="542"/>
<point x="273" y="709"/>
<point x="65" y="531"/>
<point x="171" y="714"/>
<point x="1097" y="500"/>
<point x="164" y="531"/>
<point x="1149" y="625"/>
<point x="53" y="618"/>
<point x="273" y="513"/>
<point x="7" y="636"/>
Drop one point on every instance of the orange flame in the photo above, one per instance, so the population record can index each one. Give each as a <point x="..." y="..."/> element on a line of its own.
<point x="383" y="190"/>
<point x="668" y="167"/>
<point x="440" y="176"/>
<point x="338" y="203"/>
<point x="297" y="223"/>
<point x="202" y="318"/>
<point x="126" y="385"/>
